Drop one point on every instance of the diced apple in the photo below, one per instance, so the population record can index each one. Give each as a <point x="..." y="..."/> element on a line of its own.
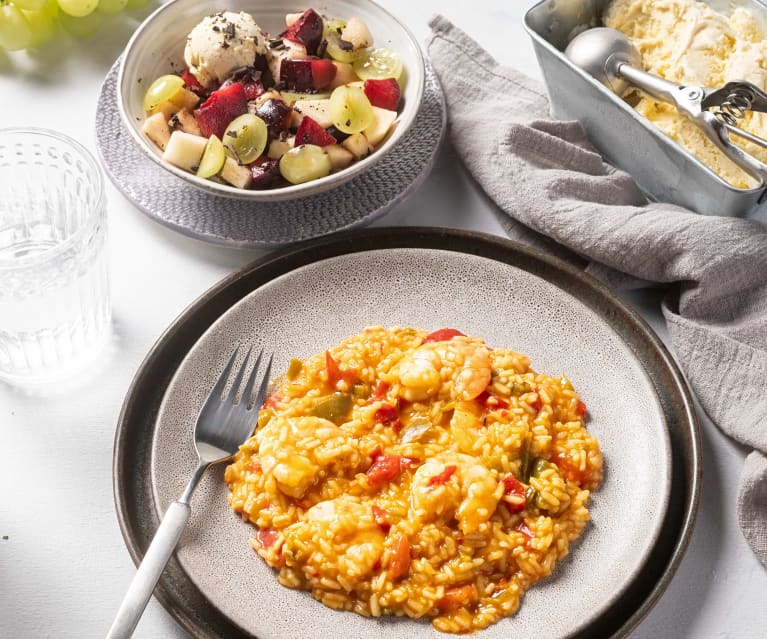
<point x="357" y="32"/>
<point x="278" y="148"/>
<point x="290" y="18"/>
<point x="357" y="145"/>
<point x="381" y="125"/>
<point x="156" y="129"/>
<point x="316" y="109"/>
<point x="344" y="75"/>
<point x="186" y="122"/>
<point x="340" y="157"/>
<point x="236" y="174"/>
<point x="185" y="99"/>
<point x="185" y="150"/>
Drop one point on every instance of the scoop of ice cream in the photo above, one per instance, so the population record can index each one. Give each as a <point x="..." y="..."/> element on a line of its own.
<point x="689" y="43"/>
<point x="222" y="43"/>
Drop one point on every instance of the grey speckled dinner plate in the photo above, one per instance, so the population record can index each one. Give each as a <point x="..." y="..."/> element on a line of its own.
<point x="306" y="298"/>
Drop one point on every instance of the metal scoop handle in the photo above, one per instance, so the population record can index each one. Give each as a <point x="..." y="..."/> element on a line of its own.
<point x="694" y="102"/>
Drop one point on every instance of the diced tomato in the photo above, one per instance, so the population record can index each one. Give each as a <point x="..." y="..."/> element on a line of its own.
<point x="272" y="401"/>
<point x="381" y="389"/>
<point x="335" y="374"/>
<point x="581" y="410"/>
<point x="376" y="452"/>
<point x="399" y="562"/>
<point x="409" y="462"/>
<point x="254" y="466"/>
<point x="442" y="334"/>
<point x="388" y="415"/>
<point x="570" y="469"/>
<point x="512" y="486"/>
<point x="537" y="404"/>
<point x="384" y="468"/>
<point x="491" y="402"/>
<point x="266" y="537"/>
<point x="443" y="477"/>
<point x="457" y="597"/>
<point x="381" y="517"/>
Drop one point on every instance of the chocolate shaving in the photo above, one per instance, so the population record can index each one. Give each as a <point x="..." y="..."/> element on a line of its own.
<point x="345" y="45"/>
<point x="230" y="30"/>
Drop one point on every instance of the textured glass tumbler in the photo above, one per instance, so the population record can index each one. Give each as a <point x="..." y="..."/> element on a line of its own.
<point x="54" y="293"/>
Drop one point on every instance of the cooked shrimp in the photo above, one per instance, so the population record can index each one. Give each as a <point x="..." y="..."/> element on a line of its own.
<point x="462" y="361"/>
<point x="321" y="442"/>
<point x="454" y="484"/>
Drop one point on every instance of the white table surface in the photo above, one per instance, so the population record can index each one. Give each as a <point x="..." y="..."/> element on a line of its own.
<point x="63" y="564"/>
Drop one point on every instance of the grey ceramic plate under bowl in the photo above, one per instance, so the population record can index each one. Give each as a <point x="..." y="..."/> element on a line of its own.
<point x="309" y="297"/>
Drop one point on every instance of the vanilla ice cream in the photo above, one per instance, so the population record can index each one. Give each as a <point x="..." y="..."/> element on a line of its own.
<point x="687" y="42"/>
<point x="222" y="43"/>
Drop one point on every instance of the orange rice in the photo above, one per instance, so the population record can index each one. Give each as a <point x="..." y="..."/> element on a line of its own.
<point x="426" y="475"/>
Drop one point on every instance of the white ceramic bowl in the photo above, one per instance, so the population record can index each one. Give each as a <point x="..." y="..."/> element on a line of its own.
<point x="157" y="48"/>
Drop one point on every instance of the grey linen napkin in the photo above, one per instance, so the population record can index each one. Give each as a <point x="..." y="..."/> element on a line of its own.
<point x="555" y="192"/>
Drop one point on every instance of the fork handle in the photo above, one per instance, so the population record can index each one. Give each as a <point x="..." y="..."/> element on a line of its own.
<point x="148" y="573"/>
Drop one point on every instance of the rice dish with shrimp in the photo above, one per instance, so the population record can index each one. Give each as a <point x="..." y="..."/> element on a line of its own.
<point x="417" y="474"/>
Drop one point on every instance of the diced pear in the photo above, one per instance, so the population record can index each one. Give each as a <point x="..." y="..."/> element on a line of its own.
<point x="185" y="150"/>
<point x="340" y="157"/>
<point x="278" y="148"/>
<point x="236" y="174"/>
<point x="357" y="145"/>
<point x="186" y="122"/>
<point x="344" y="74"/>
<point x="317" y="110"/>
<point x="384" y="118"/>
<point x="156" y="129"/>
<point x="185" y="99"/>
<point x="357" y="32"/>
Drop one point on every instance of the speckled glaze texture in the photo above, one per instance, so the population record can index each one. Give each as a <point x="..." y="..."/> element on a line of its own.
<point x="316" y="305"/>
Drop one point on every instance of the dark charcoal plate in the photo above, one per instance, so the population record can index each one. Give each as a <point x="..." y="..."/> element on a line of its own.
<point x="305" y="298"/>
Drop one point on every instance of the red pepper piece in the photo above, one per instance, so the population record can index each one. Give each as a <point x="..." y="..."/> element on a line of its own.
<point x="581" y="410"/>
<point x="335" y="374"/>
<point x="512" y="486"/>
<point x="399" y="563"/>
<point x="381" y="517"/>
<point x="442" y="334"/>
<point x="266" y="537"/>
<point x="443" y="477"/>
<point x="383" y="469"/>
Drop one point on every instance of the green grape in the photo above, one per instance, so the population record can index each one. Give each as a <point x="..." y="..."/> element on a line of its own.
<point x="333" y="28"/>
<point x="378" y="64"/>
<point x="51" y="8"/>
<point x="137" y="4"/>
<point x="338" y="53"/>
<point x="112" y="6"/>
<point x="15" y="31"/>
<point x="350" y="110"/>
<point x="30" y="5"/>
<point x="161" y="90"/>
<point x="83" y="27"/>
<point x="78" y="8"/>
<point x="246" y="137"/>
<point x="43" y="27"/>
<point x="212" y="159"/>
<point x="304" y="163"/>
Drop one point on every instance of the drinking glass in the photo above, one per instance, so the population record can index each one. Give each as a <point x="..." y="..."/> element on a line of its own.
<point x="54" y="293"/>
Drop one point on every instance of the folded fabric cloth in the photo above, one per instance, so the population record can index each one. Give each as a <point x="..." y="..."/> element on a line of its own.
<point x="554" y="191"/>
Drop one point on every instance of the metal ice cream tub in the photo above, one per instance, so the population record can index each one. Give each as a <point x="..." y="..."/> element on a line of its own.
<point x="662" y="168"/>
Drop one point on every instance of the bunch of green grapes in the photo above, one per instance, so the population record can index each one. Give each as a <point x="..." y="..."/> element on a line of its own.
<point x="27" y="24"/>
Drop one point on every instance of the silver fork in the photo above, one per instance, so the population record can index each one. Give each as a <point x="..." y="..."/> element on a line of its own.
<point x="223" y="424"/>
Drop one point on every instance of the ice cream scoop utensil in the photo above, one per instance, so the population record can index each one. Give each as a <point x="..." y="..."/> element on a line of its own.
<point x="610" y="58"/>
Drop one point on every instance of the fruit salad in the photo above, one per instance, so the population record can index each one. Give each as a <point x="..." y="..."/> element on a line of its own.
<point x="260" y="112"/>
